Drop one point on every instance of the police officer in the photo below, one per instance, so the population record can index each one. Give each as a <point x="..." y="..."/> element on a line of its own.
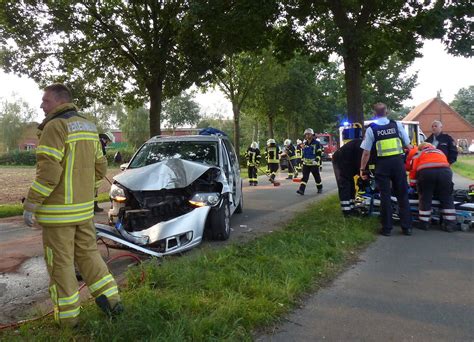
<point x="312" y="151"/>
<point x="346" y="165"/>
<point x="272" y="156"/>
<point x="69" y="160"/>
<point x="429" y="169"/>
<point x="253" y="160"/>
<point x="388" y="138"/>
<point x="290" y="152"/>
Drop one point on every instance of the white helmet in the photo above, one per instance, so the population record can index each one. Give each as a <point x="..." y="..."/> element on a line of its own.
<point x="287" y="142"/>
<point x="254" y="145"/>
<point x="308" y="130"/>
<point x="298" y="141"/>
<point x="271" y="141"/>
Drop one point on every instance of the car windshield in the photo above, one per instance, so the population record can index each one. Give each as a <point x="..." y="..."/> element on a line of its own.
<point x="198" y="151"/>
<point x="324" y="140"/>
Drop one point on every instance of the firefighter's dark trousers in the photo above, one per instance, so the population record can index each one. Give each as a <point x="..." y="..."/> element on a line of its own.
<point x="345" y="187"/>
<point x="436" y="181"/>
<point x="292" y="168"/>
<point x="272" y="170"/>
<point x="64" y="246"/>
<point x="314" y="170"/>
<point x="391" y="170"/>
<point x="252" y="169"/>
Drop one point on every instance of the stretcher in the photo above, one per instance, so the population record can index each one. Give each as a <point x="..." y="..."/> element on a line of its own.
<point x="368" y="203"/>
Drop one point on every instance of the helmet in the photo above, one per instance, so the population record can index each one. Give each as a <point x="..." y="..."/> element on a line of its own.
<point x="299" y="141"/>
<point x="254" y="145"/>
<point x="271" y="141"/>
<point x="107" y="136"/>
<point x="287" y="142"/>
<point x="308" y="130"/>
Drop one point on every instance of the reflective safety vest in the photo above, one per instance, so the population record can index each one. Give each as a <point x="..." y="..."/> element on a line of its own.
<point x="272" y="154"/>
<point x="70" y="163"/>
<point x="312" y="153"/>
<point x="428" y="158"/>
<point x="253" y="156"/>
<point x="298" y="153"/>
<point x="387" y="140"/>
<point x="290" y="151"/>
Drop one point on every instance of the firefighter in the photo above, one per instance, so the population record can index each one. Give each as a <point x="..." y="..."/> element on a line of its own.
<point x="290" y="152"/>
<point x="272" y="156"/>
<point x="430" y="171"/>
<point x="253" y="160"/>
<point x="312" y="151"/>
<point x="346" y="165"/>
<point x="298" y="155"/>
<point x="388" y="137"/>
<point x="105" y="139"/>
<point x="69" y="161"/>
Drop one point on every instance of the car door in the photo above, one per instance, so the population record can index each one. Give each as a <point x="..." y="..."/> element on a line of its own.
<point x="234" y="173"/>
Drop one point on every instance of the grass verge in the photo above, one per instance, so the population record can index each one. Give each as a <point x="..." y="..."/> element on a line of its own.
<point x="227" y="293"/>
<point x="7" y="210"/>
<point x="464" y="166"/>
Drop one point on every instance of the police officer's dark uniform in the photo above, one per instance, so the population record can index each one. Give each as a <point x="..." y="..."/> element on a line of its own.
<point x="272" y="156"/>
<point x="387" y="137"/>
<point x="253" y="160"/>
<point x="312" y="151"/>
<point x="346" y="165"/>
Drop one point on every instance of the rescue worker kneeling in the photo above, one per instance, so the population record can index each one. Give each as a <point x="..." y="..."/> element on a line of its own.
<point x="253" y="160"/>
<point x="312" y="151"/>
<point x="272" y="155"/>
<point x="430" y="171"/>
<point x="69" y="162"/>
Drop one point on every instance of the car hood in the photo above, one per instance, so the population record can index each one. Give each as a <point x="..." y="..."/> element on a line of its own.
<point x="168" y="174"/>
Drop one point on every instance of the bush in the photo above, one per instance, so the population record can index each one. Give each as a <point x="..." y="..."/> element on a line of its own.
<point x="18" y="157"/>
<point x="126" y="156"/>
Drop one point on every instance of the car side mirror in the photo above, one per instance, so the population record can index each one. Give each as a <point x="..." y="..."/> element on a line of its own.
<point x="123" y="166"/>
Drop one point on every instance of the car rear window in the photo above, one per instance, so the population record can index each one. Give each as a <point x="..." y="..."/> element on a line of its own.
<point x="198" y="151"/>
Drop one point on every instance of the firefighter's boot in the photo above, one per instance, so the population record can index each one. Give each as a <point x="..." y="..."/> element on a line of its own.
<point x="319" y="187"/>
<point x="110" y="310"/>
<point x="301" y="189"/>
<point x="449" y="226"/>
<point x="97" y="209"/>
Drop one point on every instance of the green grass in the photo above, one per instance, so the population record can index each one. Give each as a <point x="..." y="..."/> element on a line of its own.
<point x="7" y="210"/>
<point x="224" y="294"/>
<point x="464" y="166"/>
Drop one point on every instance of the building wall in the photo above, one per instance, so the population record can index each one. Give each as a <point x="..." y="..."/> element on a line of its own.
<point x="453" y="124"/>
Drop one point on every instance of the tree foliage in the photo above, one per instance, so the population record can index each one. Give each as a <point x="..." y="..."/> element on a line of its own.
<point x="14" y="116"/>
<point x="134" y="125"/>
<point x="137" y="50"/>
<point x="181" y="110"/>
<point x="463" y="103"/>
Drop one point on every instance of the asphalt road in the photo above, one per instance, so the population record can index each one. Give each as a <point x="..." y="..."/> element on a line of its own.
<point x="418" y="288"/>
<point x="23" y="276"/>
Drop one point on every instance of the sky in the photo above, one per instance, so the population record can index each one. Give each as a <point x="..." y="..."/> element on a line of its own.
<point x="437" y="70"/>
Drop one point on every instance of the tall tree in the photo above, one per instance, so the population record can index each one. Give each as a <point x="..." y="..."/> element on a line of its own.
<point x="134" y="49"/>
<point x="463" y="103"/>
<point x="134" y="125"/>
<point x="181" y="110"/>
<point x="237" y="79"/>
<point x="14" y="115"/>
<point x="365" y="32"/>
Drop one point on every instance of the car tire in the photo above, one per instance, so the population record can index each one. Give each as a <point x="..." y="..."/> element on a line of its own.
<point x="240" y="207"/>
<point x="219" y="220"/>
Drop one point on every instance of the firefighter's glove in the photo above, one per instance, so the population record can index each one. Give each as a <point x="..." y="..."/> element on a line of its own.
<point x="28" y="218"/>
<point x="318" y="161"/>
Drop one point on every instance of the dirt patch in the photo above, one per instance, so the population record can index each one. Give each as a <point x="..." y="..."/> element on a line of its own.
<point x="16" y="181"/>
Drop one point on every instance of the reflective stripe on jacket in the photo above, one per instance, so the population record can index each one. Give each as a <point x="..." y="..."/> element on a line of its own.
<point x="312" y="153"/>
<point x="69" y="163"/>
<point x="272" y="154"/>
<point x="427" y="159"/>
<point x="253" y="156"/>
<point x="387" y="140"/>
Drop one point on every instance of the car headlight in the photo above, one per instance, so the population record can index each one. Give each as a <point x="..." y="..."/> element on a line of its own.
<point x="117" y="194"/>
<point x="201" y="199"/>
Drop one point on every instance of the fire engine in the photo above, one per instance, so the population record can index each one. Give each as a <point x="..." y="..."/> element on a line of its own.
<point x="329" y="143"/>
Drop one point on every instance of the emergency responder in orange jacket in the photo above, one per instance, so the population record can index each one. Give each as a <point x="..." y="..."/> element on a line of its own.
<point x="69" y="163"/>
<point x="429" y="170"/>
<point x="253" y="160"/>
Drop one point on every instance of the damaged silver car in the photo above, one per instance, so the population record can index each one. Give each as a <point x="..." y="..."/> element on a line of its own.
<point x="173" y="192"/>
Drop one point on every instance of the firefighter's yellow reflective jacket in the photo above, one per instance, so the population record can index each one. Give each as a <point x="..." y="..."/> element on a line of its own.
<point x="70" y="163"/>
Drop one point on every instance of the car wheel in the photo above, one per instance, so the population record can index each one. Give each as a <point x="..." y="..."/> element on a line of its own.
<point x="240" y="207"/>
<point x="220" y="221"/>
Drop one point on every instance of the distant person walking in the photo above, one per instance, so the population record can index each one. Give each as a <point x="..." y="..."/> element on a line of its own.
<point x="69" y="162"/>
<point x="443" y="141"/>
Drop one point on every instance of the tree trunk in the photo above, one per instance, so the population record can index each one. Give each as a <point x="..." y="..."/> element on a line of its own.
<point x="353" y="78"/>
<point x="270" y="126"/>
<point x="236" y="111"/>
<point x="155" y="91"/>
